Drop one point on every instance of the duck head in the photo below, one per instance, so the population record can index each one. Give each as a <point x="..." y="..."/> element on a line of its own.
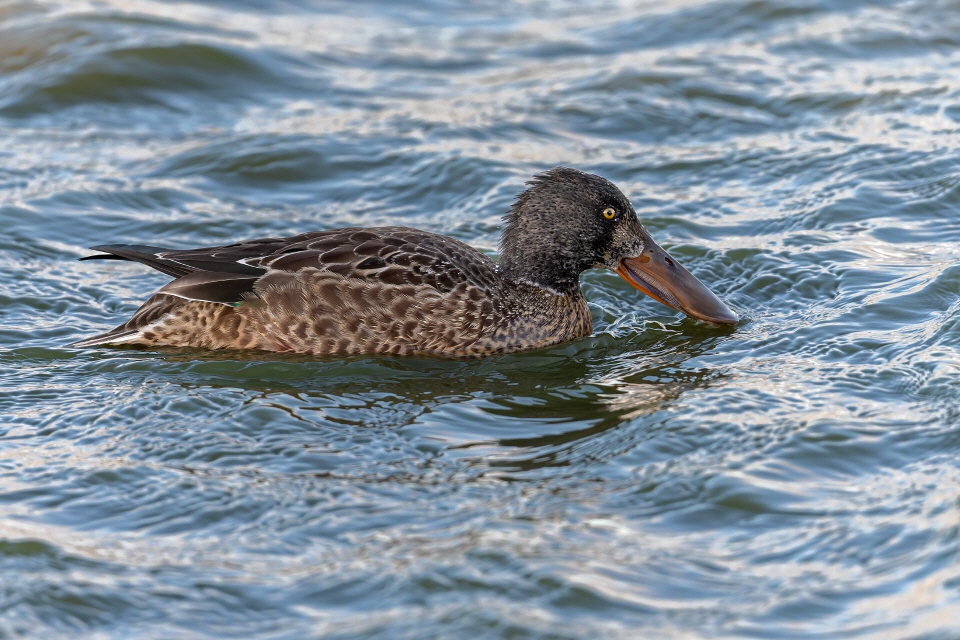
<point x="569" y="221"/>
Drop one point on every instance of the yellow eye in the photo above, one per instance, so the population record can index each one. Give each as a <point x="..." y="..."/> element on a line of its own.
<point x="609" y="213"/>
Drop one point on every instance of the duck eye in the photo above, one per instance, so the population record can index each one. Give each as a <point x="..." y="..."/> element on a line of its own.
<point x="609" y="213"/>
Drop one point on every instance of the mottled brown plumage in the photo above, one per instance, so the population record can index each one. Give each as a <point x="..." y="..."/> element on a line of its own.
<point x="392" y="290"/>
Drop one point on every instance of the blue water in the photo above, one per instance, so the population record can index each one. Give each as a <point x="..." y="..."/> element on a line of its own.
<point x="793" y="477"/>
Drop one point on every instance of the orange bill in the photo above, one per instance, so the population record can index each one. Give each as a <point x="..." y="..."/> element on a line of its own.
<point x="665" y="280"/>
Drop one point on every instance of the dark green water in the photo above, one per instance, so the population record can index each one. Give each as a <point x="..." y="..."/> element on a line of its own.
<point x="794" y="477"/>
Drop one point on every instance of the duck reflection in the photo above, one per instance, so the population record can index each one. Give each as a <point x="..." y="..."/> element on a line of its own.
<point x="510" y="415"/>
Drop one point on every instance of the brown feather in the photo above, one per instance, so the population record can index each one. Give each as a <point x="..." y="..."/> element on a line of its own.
<point x="395" y="290"/>
<point x="389" y="290"/>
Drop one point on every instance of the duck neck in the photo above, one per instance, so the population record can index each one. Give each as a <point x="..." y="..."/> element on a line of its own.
<point x="538" y="266"/>
<point x="539" y="247"/>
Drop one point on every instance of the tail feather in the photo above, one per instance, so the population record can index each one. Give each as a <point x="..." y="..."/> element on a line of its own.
<point x="177" y="263"/>
<point x="144" y="254"/>
<point x="114" y="336"/>
<point x="153" y="310"/>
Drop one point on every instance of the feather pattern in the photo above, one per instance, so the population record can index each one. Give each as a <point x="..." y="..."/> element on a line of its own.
<point x="388" y="290"/>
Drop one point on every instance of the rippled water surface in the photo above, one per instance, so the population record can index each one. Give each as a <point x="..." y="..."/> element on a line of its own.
<point x="793" y="477"/>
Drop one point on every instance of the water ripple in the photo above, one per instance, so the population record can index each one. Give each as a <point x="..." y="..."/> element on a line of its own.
<point x="791" y="477"/>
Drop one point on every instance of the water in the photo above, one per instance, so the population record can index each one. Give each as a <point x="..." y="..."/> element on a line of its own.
<point x="793" y="477"/>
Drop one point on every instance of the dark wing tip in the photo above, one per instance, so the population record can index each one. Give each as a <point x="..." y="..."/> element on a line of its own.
<point x="102" y="256"/>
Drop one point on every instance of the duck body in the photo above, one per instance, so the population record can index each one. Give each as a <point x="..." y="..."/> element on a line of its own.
<point x="403" y="291"/>
<point x="382" y="290"/>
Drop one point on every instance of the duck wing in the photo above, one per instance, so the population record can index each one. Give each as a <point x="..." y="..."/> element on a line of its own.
<point x="371" y="256"/>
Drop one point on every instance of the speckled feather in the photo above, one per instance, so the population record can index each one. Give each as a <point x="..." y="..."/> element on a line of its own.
<point x="387" y="290"/>
<point x="396" y="290"/>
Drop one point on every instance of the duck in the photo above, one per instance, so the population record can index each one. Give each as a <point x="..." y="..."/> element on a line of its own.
<point x="401" y="291"/>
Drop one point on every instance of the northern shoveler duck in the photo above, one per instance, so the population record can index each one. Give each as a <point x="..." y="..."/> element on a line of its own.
<point x="402" y="291"/>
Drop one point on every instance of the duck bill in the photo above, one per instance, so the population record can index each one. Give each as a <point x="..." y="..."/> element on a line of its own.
<point x="665" y="280"/>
